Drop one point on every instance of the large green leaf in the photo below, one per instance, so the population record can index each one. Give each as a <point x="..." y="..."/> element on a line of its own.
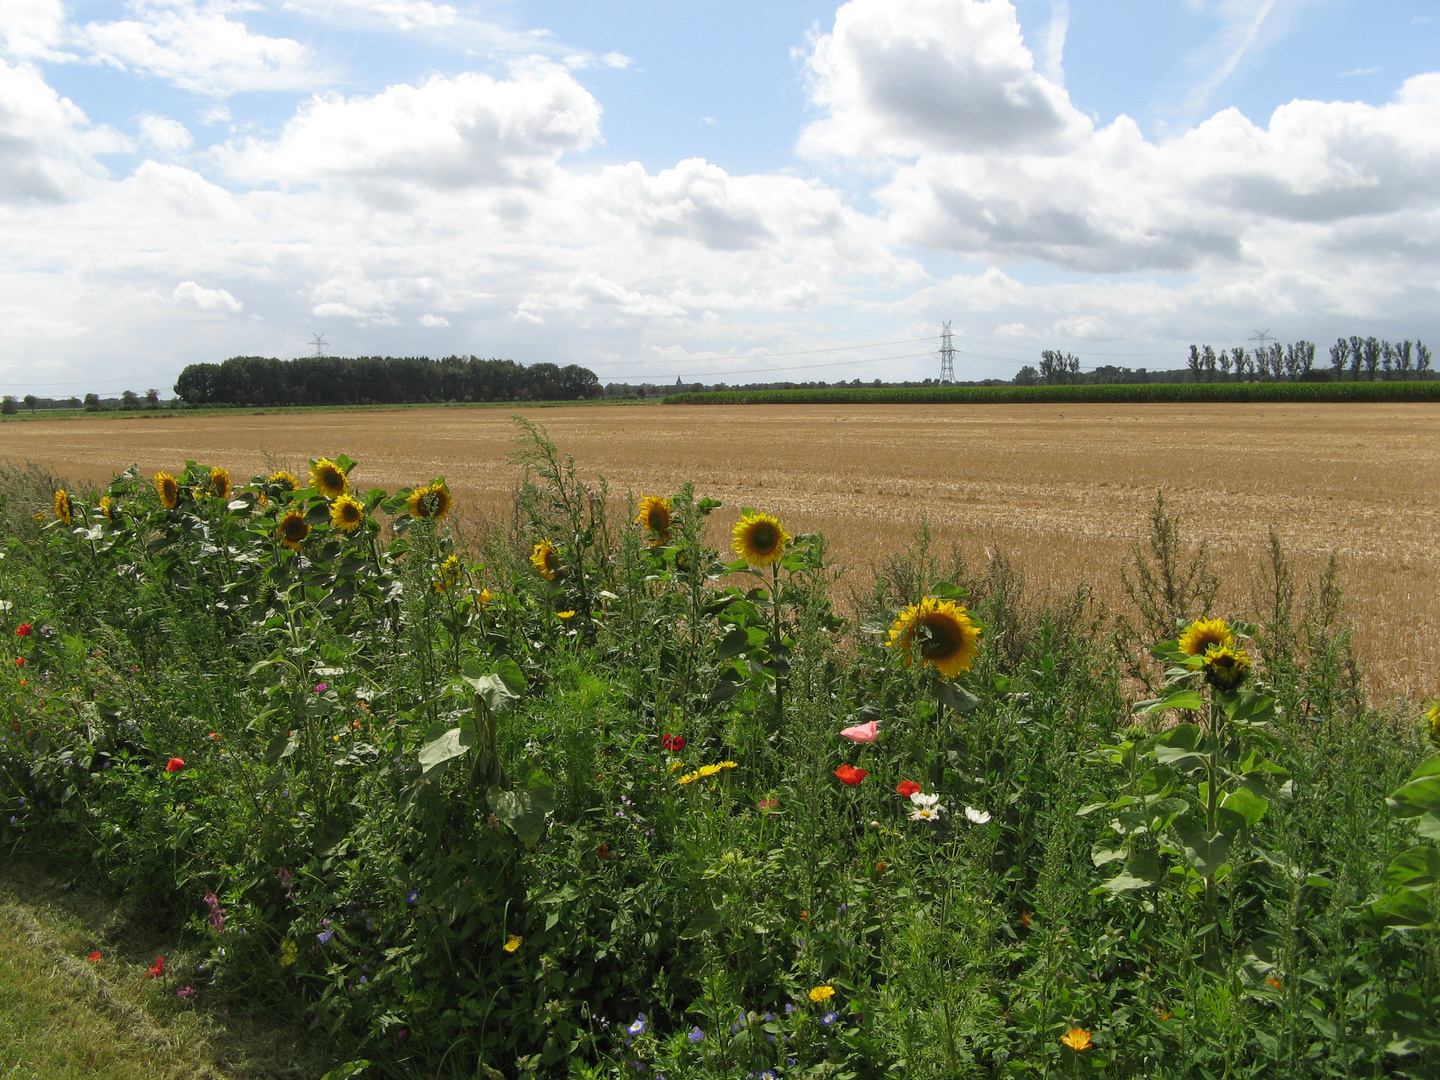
<point x="1247" y="804"/>
<point x="957" y="697"/>
<point x="451" y="744"/>
<point x="1205" y="852"/>
<point x="1402" y="907"/>
<point x="1175" y="699"/>
<point x="1416" y="797"/>
<point x="523" y="810"/>
<point x="1413" y="869"/>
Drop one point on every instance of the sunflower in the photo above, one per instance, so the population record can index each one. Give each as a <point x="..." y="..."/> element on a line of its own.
<point x="448" y="575"/>
<point x="1432" y="718"/>
<point x="286" y="481"/>
<point x="107" y="508"/>
<point x="431" y="502"/>
<point x="63" y="510"/>
<point x="169" y="489"/>
<point x="1226" y="668"/>
<point x="328" y="478"/>
<point x="1201" y="634"/>
<point x="759" y="539"/>
<point x="293" y="529"/>
<point x="655" y="516"/>
<point x="220" y="482"/>
<point x="546" y="560"/>
<point x="947" y="637"/>
<point x="346" y="514"/>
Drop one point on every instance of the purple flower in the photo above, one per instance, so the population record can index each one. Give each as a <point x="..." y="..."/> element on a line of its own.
<point x="186" y="992"/>
<point x="321" y="687"/>
<point x="413" y="896"/>
<point x="324" y="936"/>
<point x="829" y="1018"/>
<point x="696" y="1035"/>
<point x="638" y="1027"/>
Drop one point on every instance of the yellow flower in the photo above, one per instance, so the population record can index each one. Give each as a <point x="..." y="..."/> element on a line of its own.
<point x="448" y="576"/>
<point x="220" y="482"/>
<point x="1226" y="668"/>
<point x="63" y="509"/>
<point x="1076" y="1039"/>
<point x="759" y="539"/>
<point x="169" y="490"/>
<point x="513" y="942"/>
<point x="431" y="502"/>
<point x="346" y="514"/>
<point x="1432" y="717"/>
<point x="293" y="529"/>
<point x="565" y="614"/>
<point x="655" y="516"/>
<point x="328" y="478"/>
<point x="288" y="952"/>
<point x="486" y="598"/>
<point x="943" y="632"/>
<point x="288" y="481"/>
<point x="728" y="765"/>
<point x="107" y="508"/>
<point x="1203" y="633"/>
<point x="676" y="766"/>
<point x="546" y="560"/>
<point x="822" y="993"/>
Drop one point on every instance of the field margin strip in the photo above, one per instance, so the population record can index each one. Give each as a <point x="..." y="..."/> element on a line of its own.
<point x="1105" y="394"/>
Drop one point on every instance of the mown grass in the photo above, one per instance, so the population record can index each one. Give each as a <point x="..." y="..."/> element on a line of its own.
<point x="561" y="799"/>
<point x="1127" y="393"/>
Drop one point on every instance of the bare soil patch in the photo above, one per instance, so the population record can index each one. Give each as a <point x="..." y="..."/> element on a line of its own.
<point x="1063" y="490"/>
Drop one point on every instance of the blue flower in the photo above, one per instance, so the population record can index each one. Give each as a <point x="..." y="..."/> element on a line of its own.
<point x="696" y="1035"/>
<point x="829" y="1018"/>
<point x="768" y="1074"/>
<point x="638" y="1027"/>
<point x="789" y="1007"/>
<point x="412" y="896"/>
<point x="325" y="936"/>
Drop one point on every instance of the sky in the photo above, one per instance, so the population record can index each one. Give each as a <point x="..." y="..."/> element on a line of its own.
<point x="734" y="191"/>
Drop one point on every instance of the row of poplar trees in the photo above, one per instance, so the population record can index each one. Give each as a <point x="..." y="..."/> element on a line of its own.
<point x="1351" y="359"/>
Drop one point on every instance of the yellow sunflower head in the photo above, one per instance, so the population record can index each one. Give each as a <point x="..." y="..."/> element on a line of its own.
<point x="655" y="516"/>
<point x="284" y="480"/>
<point x="486" y="598"/>
<point x="346" y="514"/>
<point x="759" y="539"/>
<point x="1201" y="634"/>
<point x="107" y="508"/>
<point x="169" y="490"/>
<point x="447" y="576"/>
<point x="293" y="529"/>
<point x="1432" y="720"/>
<point x="63" y="509"/>
<point x="430" y="503"/>
<point x="546" y="560"/>
<point x="941" y="632"/>
<point x="219" y="482"/>
<point x="1226" y="667"/>
<point x="328" y="478"/>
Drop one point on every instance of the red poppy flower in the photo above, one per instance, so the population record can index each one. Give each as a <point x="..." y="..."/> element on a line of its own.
<point x="673" y="743"/>
<point x="19" y="661"/>
<point x="94" y="957"/>
<point x="850" y="775"/>
<point x="879" y="868"/>
<point x="157" y="968"/>
<point x="907" y="788"/>
<point x="175" y="764"/>
<point x="23" y="630"/>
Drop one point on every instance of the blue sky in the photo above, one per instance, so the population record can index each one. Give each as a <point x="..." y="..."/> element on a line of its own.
<point x="670" y="189"/>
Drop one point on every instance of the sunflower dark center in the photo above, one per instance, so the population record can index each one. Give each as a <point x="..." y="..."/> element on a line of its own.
<point x="939" y="637"/>
<point x="763" y="538"/>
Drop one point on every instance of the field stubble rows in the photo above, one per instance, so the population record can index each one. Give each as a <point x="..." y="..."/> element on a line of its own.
<point x="1062" y="490"/>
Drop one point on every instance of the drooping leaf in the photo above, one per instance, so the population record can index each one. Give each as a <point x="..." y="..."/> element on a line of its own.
<point x="1413" y="869"/>
<point x="1416" y="797"/>
<point x="451" y="744"/>
<point x="1247" y="804"/>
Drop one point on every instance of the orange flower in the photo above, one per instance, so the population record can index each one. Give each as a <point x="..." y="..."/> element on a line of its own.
<point x="1076" y="1039"/>
<point x="851" y="776"/>
<point x="1273" y="982"/>
<point x="1025" y="919"/>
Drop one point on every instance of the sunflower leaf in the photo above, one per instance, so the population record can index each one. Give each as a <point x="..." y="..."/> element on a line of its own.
<point x="451" y="744"/>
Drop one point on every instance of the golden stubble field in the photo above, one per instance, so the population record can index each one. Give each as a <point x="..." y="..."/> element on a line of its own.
<point x="1063" y="490"/>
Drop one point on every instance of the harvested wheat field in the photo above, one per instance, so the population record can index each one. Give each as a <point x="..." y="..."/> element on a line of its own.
<point x="1063" y="490"/>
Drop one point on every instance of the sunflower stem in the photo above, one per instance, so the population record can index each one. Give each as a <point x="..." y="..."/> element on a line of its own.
<point x="778" y="645"/>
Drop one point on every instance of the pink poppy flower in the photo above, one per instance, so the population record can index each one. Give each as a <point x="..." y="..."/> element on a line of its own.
<point x="867" y="732"/>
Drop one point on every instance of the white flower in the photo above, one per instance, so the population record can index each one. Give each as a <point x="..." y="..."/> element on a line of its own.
<point x="927" y="813"/>
<point x="925" y="802"/>
<point x="979" y="817"/>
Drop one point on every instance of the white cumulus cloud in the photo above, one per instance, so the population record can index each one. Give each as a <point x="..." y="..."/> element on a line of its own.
<point x="195" y="295"/>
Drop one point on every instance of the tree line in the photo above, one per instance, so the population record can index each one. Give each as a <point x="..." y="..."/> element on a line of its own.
<point x="1295" y="362"/>
<point x="380" y="380"/>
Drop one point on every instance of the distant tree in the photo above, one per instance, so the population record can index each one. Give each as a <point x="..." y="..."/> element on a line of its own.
<point x="1225" y="365"/>
<point x="1241" y="359"/>
<point x="1404" y="358"/>
<point x="1422" y="359"/>
<point x="152" y="398"/>
<point x="1339" y="352"/>
<point x="1372" y="357"/>
<point x="1357" y="357"/>
<point x="1207" y="363"/>
<point x="30" y="402"/>
<point x="8" y="406"/>
<point x="1027" y="376"/>
<point x="129" y="400"/>
<point x="1194" y="361"/>
<point x="72" y="403"/>
<point x="1305" y="352"/>
<point x="92" y="402"/>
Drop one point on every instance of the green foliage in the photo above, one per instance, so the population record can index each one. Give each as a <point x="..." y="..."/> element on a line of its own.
<point x="1116" y="394"/>
<point x="469" y="818"/>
